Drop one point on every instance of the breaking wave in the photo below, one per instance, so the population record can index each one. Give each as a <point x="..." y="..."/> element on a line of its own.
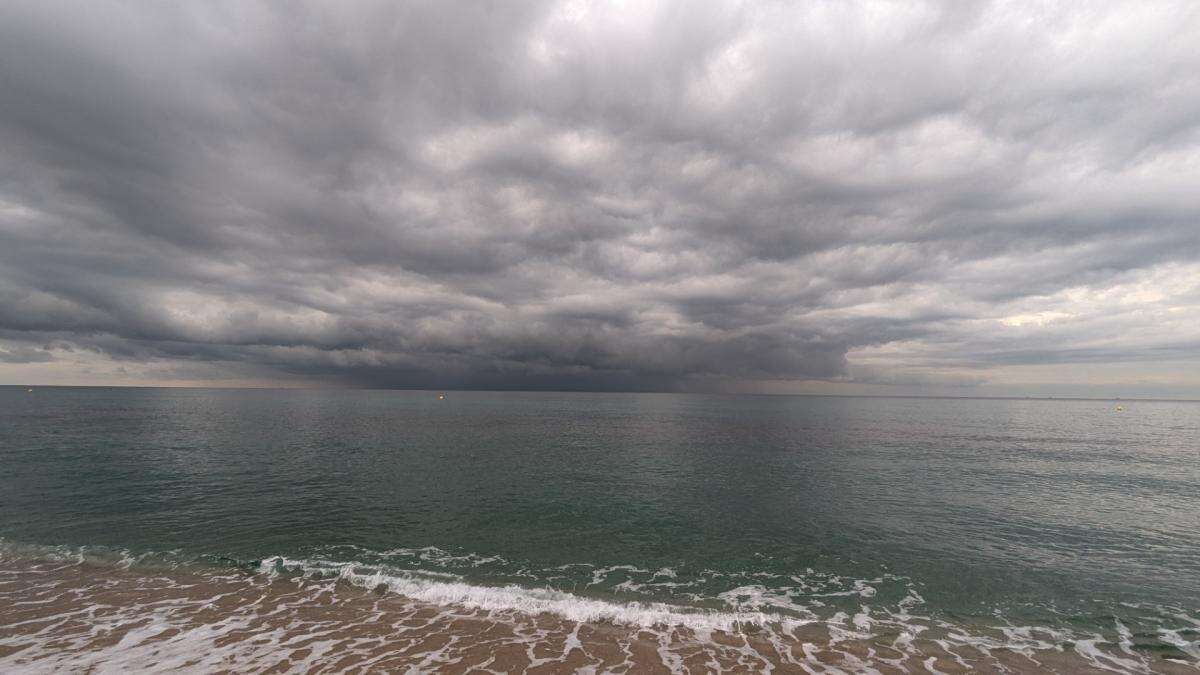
<point x="78" y="608"/>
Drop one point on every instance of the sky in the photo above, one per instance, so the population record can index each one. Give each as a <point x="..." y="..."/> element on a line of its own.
<point x="959" y="198"/>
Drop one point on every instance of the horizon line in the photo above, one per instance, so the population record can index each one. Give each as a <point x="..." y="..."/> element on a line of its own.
<point x="587" y="391"/>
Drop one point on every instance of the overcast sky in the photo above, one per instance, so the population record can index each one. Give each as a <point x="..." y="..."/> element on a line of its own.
<point x="946" y="198"/>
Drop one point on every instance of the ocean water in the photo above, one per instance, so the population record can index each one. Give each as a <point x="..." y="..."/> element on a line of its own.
<point x="500" y="531"/>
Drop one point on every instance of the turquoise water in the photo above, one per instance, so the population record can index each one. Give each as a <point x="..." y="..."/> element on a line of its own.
<point x="1065" y="514"/>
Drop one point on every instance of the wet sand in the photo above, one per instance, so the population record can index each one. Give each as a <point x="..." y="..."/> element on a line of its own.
<point x="60" y="616"/>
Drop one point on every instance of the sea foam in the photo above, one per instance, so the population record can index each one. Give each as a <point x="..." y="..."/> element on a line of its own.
<point x="513" y="598"/>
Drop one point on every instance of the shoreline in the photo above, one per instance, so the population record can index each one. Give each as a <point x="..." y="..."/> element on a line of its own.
<point x="74" y="615"/>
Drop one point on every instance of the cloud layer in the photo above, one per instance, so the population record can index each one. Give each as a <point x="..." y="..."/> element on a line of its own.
<point x="574" y="195"/>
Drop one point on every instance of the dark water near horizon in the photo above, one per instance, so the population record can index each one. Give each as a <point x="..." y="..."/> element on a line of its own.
<point x="981" y="518"/>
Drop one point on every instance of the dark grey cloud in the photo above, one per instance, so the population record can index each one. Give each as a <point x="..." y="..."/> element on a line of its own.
<point x="575" y="195"/>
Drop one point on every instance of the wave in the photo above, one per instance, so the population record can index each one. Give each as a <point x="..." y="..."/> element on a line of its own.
<point x="774" y="616"/>
<point x="513" y="598"/>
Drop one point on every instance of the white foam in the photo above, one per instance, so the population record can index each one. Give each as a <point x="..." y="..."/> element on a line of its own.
<point x="514" y="598"/>
<point x="776" y="609"/>
<point x="757" y="598"/>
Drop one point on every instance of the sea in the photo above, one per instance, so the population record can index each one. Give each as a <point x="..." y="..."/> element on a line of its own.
<point x="208" y="530"/>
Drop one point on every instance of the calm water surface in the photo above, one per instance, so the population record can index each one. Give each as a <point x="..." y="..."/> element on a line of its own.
<point x="1066" y="515"/>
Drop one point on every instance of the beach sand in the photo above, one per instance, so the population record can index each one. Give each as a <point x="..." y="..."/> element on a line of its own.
<point x="78" y="616"/>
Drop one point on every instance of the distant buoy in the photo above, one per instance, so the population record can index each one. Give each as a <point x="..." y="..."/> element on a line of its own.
<point x="441" y="397"/>
<point x="1119" y="408"/>
<point x="29" y="390"/>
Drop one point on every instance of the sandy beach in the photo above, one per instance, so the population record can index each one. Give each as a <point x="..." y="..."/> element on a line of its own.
<point x="63" y="615"/>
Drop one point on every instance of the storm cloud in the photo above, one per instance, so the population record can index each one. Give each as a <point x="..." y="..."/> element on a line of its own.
<point x="605" y="196"/>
